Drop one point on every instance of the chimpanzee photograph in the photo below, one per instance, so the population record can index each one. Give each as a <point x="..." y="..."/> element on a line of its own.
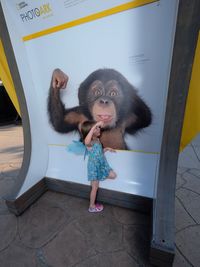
<point x="105" y="95"/>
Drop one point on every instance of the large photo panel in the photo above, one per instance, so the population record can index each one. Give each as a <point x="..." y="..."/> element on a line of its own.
<point x="103" y="61"/>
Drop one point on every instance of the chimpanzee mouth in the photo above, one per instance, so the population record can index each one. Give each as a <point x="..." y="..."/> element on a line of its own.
<point x="105" y="117"/>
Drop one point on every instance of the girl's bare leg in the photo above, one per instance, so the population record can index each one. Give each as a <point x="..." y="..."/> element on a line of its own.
<point x="93" y="193"/>
<point x="112" y="175"/>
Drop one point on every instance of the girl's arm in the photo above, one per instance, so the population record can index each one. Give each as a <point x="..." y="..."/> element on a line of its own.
<point x="88" y="138"/>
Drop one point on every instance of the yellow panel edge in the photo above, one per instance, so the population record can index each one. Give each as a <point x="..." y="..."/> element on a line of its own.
<point x="105" y="13"/>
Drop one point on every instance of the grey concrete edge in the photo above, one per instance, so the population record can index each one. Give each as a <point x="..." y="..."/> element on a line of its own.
<point x="125" y="200"/>
<point x="22" y="103"/>
<point x="163" y="232"/>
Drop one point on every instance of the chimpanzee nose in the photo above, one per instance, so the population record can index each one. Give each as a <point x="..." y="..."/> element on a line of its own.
<point x="103" y="101"/>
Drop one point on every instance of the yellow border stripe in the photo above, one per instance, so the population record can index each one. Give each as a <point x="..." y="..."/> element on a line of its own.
<point x="105" y="13"/>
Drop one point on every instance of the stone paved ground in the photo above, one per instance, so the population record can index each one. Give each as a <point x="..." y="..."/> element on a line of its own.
<point x="188" y="207"/>
<point x="57" y="231"/>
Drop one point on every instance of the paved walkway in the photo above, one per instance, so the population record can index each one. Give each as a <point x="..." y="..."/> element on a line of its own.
<point x="57" y="231"/>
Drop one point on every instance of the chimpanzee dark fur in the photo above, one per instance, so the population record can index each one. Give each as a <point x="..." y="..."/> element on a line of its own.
<point x="104" y="95"/>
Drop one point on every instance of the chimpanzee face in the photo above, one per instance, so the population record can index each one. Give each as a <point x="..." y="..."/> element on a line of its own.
<point x="104" y="100"/>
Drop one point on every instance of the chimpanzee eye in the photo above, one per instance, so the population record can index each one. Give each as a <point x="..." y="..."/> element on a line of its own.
<point x="98" y="93"/>
<point x="113" y="93"/>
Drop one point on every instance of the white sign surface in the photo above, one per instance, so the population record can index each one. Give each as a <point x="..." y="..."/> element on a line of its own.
<point x="134" y="38"/>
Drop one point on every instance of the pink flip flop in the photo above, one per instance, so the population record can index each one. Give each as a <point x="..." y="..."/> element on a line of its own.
<point x="97" y="208"/>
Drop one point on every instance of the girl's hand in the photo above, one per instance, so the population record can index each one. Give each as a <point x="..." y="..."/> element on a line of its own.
<point x="109" y="149"/>
<point x="99" y="124"/>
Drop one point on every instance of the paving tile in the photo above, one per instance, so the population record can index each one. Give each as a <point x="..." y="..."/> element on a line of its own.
<point x="6" y="185"/>
<point x="188" y="159"/>
<point x="8" y="230"/>
<point x="11" y="144"/>
<point x="197" y="151"/>
<point x="192" y="182"/>
<point x="127" y="216"/>
<point x="71" y="247"/>
<point x="180" y="181"/>
<point x="137" y="243"/>
<point x="115" y="259"/>
<point x="18" y="256"/>
<point x="77" y="207"/>
<point x="180" y="261"/>
<point x="106" y="235"/>
<point x="10" y="171"/>
<point x="188" y="242"/>
<point x="7" y="142"/>
<point x="60" y="198"/>
<point x="182" y="218"/>
<point x="11" y="148"/>
<point x="2" y="167"/>
<point x="191" y="202"/>
<point x="195" y="172"/>
<point x="10" y="129"/>
<point x="181" y="170"/>
<point x="5" y="158"/>
<point x="196" y="140"/>
<point x="40" y="223"/>
<point x="3" y="208"/>
<point x="15" y="165"/>
<point x="40" y="258"/>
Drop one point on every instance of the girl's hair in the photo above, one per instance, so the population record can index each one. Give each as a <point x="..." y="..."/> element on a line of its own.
<point x="85" y="128"/>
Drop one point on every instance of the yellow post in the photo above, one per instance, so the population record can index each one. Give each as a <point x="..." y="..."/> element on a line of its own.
<point x="7" y="79"/>
<point x="191" y="125"/>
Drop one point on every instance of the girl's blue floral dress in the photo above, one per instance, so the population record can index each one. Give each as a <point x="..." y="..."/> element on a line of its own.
<point x="98" y="167"/>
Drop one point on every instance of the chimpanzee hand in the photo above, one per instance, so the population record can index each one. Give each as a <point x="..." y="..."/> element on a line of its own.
<point x="59" y="79"/>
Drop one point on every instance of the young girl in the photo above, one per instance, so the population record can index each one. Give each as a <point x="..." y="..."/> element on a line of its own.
<point x="98" y="167"/>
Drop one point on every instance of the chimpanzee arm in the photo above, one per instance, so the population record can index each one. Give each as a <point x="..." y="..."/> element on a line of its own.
<point x="63" y="120"/>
